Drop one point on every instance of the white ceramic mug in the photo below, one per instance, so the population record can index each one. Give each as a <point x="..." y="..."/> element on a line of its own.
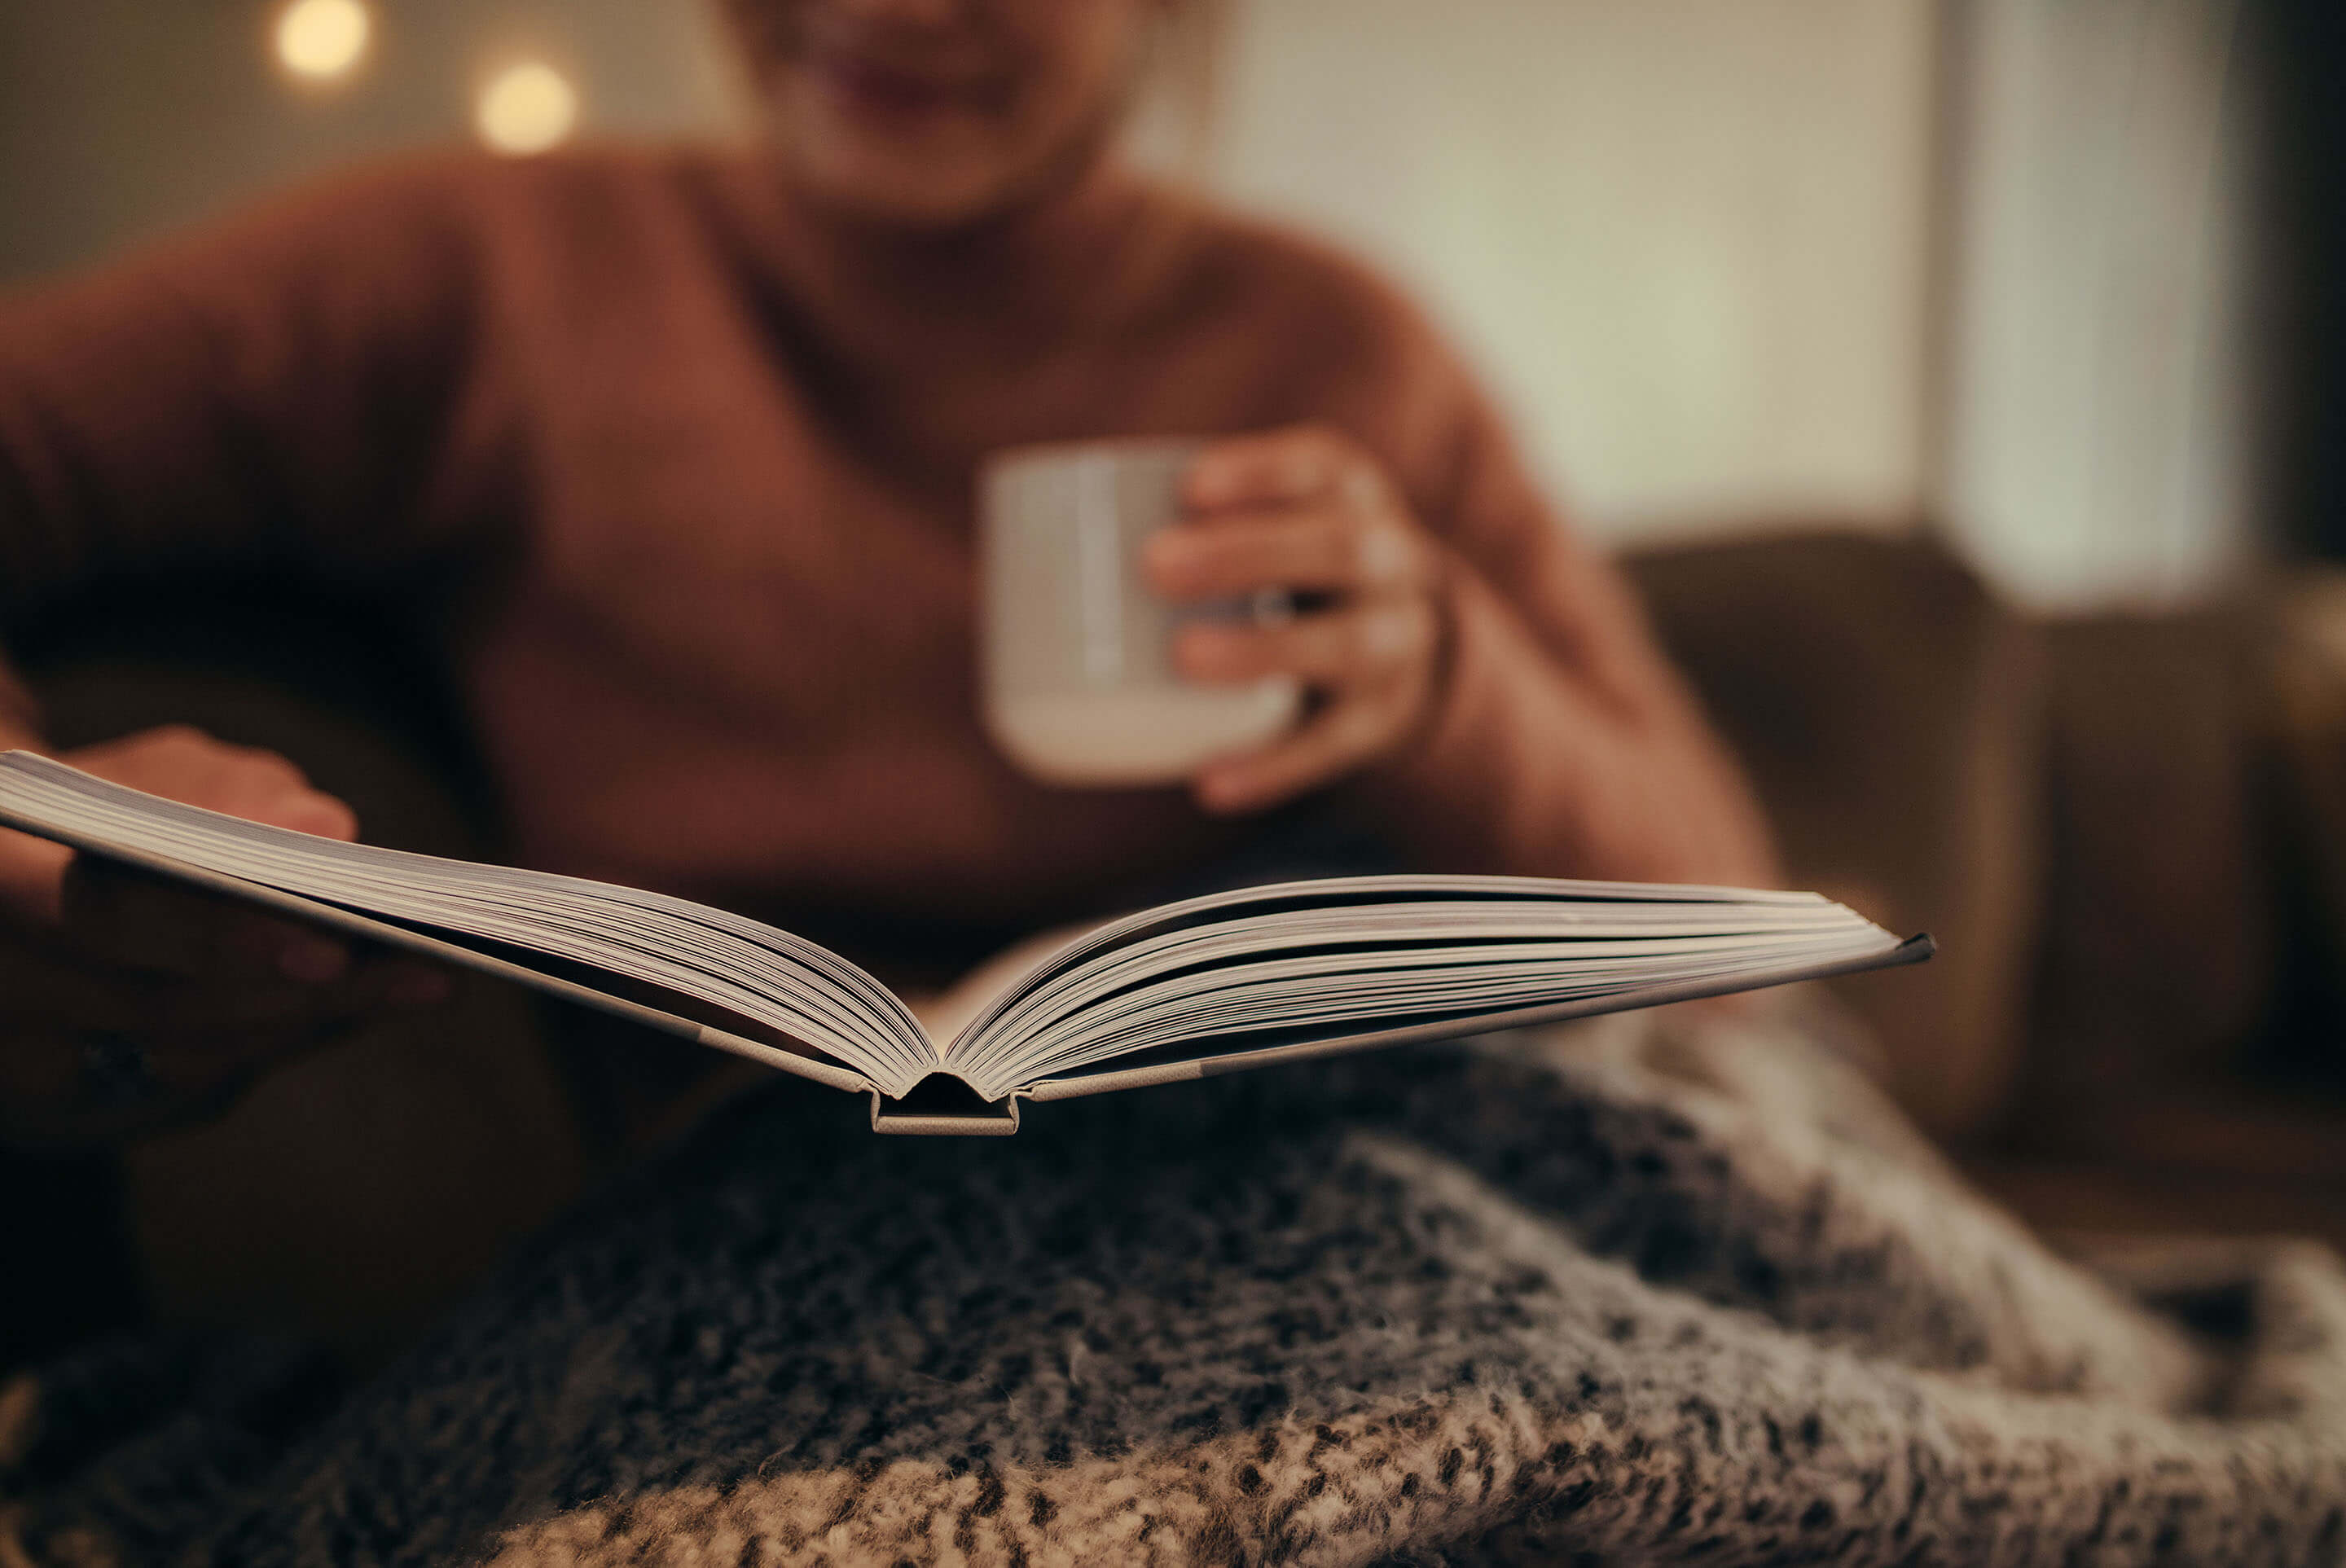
<point x="1080" y="686"/>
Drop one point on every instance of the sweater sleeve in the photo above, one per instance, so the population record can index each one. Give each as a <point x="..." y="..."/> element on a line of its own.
<point x="275" y="390"/>
<point x="1562" y="741"/>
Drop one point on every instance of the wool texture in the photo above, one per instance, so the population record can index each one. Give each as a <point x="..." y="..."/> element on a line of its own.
<point x="1651" y="1290"/>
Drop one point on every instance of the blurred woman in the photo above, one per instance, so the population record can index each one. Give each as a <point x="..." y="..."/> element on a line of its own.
<point x="670" y="456"/>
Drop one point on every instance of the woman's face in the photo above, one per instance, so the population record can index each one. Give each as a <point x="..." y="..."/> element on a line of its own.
<point x="930" y="113"/>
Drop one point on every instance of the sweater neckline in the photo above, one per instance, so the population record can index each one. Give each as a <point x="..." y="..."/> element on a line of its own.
<point x="1073" y="265"/>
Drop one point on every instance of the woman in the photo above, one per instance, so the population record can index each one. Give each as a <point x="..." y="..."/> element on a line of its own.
<point x="672" y="455"/>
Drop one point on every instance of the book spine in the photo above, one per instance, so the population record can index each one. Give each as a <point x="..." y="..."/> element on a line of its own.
<point x="921" y="1124"/>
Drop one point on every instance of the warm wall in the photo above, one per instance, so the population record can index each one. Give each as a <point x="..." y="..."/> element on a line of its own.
<point x="2101" y="403"/>
<point x="119" y="118"/>
<point x="1686" y="238"/>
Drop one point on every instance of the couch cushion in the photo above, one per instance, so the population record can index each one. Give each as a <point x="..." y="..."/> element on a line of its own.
<point x="1889" y="711"/>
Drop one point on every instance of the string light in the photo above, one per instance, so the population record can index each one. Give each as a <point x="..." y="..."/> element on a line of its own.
<point x="526" y="108"/>
<point x="319" y="40"/>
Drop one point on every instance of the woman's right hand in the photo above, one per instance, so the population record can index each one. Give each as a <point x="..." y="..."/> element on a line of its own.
<point x="127" y="1002"/>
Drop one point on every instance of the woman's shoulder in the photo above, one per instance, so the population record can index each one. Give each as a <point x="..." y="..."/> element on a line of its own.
<point x="1336" y="339"/>
<point x="447" y="201"/>
<point x="409" y="251"/>
<point x="1315" y="290"/>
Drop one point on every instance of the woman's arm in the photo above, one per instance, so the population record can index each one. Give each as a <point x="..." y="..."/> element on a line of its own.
<point x="266" y="394"/>
<point x="1489" y="684"/>
<point x="273" y="389"/>
<point x="1561" y="740"/>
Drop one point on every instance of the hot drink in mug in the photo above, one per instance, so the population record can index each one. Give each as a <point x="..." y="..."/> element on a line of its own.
<point x="1079" y="685"/>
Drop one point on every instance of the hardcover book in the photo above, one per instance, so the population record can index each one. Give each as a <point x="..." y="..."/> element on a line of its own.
<point x="1250" y="978"/>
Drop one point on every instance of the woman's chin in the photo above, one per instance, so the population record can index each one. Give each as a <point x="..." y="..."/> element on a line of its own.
<point x="923" y="194"/>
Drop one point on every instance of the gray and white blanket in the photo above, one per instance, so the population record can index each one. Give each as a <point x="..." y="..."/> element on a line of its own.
<point x="1646" y="1290"/>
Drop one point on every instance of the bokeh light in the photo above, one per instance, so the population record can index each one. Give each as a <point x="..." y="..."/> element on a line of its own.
<point x="321" y="40"/>
<point x="526" y="108"/>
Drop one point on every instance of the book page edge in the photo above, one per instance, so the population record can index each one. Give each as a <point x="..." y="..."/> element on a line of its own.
<point x="339" y="919"/>
<point x="1913" y="949"/>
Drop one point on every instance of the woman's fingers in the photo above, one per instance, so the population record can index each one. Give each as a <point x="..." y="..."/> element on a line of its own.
<point x="1308" y="511"/>
<point x="142" y="921"/>
<point x="32" y="873"/>
<point x="1342" y="736"/>
<point x="45" y="985"/>
<point x="1323" y="548"/>
<point x="1277" y="467"/>
<point x="1303" y="508"/>
<point x="62" y="1088"/>
<point x="181" y="762"/>
<point x="1353" y="646"/>
<point x="126" y="999"/>
<point x="55" y="984"/>
<point x="95" y="1054"/>
<point x="235" y="965"/>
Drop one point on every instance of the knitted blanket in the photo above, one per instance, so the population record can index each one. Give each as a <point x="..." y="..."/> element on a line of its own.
<point x="1646" y="1292"/>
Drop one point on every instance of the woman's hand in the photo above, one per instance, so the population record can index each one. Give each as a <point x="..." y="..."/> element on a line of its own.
<point x="127" y="1002"/>
<point x="1307" y="511"/>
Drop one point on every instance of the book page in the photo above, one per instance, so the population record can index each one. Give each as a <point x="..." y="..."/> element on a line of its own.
<point x="1253" y="974"/>
<point x="723" y="960"/>
<point x="1288" y="963"/>
<point x="946" y="1014"/>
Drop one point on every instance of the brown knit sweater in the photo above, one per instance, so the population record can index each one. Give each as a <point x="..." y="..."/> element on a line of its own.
<point x="680" y="475"/>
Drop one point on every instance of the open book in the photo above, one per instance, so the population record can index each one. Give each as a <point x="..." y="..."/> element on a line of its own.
<point x="1207" y="985"/>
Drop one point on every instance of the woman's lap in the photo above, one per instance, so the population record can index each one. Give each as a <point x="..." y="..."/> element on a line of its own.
<point x="1627" y="1288"/>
